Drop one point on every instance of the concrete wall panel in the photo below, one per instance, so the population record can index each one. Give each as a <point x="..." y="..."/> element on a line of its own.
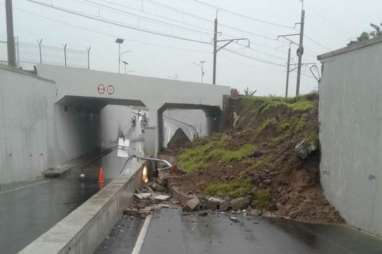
<point x="351" y="135"/>
<point x="26" y="104"/>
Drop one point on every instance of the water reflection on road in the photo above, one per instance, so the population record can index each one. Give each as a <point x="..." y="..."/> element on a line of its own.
<point x="28" y="212"/>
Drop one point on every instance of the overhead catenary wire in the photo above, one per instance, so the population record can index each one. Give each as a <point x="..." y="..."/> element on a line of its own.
<point x="110" y="22"/>
<point x="141" y="42"/>
<point x="262" y="36"/>
<point x="254" y="58"/>
<point x="179" y="11"/>
<point x="317" y="42"/>
<point x="109" y="35"/>
<point x="243" y="15"/>
<point x="154" y="15"/>
<point x="150" y="31"/>
<point x="145" y="17"/>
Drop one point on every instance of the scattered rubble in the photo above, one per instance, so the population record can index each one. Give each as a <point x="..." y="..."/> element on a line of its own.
<point x="240" y="203"/>
<point x="192" y="204"/>
<point x="142" y="195"/>
<point x="305" y="148"/>
<point x="214" y="203"/>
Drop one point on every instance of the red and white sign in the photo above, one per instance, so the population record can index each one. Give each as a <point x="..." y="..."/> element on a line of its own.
<point x="105" y="89"/>
<point x="110" y="90"/>
<point x="101" y="89"/>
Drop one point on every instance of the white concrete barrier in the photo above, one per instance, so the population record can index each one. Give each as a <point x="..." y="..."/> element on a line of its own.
<point x="87" y="226"/>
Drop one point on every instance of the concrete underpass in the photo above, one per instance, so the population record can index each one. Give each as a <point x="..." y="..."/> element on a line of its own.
<point x="70" y="122"/>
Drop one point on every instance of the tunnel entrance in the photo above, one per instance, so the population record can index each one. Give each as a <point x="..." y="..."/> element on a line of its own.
<point x="89" y="125"/>
<point x="185" y="116"/>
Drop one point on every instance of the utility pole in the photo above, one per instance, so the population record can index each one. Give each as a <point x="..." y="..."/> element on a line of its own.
<point x="300" y="51"/>
<point x="217" y="48"/>
<point x="288" y="72"/>
<point x="10" y="34"/>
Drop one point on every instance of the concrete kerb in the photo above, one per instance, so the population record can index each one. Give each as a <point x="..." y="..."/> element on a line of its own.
<point x="87" y="226"/>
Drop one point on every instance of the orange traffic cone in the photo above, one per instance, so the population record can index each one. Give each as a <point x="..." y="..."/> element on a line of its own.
<point x="101" y="176"/>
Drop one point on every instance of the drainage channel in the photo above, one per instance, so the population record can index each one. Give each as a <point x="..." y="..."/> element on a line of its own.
<point x="26" y="213"/>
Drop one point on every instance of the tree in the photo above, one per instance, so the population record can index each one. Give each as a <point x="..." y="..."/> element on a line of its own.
<point x="365" y="36"/>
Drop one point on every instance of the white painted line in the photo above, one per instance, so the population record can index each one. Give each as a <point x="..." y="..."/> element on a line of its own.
<point x="142" y="235"/>
<point x="24" y="187"/>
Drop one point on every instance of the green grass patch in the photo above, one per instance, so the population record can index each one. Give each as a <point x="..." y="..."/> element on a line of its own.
<point x="198" y="157"/>
<point x="232" y="189"/>
<point x="301" y="105"/>
<point x="264" y="104"/>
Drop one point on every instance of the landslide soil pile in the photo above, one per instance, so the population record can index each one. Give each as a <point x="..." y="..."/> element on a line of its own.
<point x="256" y="157"/>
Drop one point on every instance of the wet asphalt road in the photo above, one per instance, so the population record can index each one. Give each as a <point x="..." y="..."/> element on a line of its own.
<point x="122" y="238"/>
<point x="28" y="212"/>
<point x="170" y="232"/>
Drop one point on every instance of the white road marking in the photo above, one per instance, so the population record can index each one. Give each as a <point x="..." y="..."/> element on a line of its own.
<point x="142" y="235"/>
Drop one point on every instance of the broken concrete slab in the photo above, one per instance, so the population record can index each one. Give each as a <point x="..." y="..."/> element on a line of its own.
<point x="160" y="197"/>
<point x="192" y="204"/>
<point x="214" y="203"/>
<point x="142" y="195"/>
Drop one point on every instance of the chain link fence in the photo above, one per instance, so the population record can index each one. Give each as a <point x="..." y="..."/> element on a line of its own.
<point x="29" y="54"/>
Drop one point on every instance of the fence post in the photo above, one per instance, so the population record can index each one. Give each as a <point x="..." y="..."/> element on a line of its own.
<point x="89" y="57"/>
<point x="65" y="47"/>
<point x="17" y="51"/>
<point x="40" y="50"/>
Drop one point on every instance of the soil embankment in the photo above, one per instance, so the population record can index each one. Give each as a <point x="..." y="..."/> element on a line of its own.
<point x="267" y="158"/>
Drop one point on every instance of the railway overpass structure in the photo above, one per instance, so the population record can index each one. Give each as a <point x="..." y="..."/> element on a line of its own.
<point x="61" y="109"/>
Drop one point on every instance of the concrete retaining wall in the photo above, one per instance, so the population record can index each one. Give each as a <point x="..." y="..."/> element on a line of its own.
<point x="26" y="111"/>
<point x="351" y="133"/>
<point x="86" y="227"/>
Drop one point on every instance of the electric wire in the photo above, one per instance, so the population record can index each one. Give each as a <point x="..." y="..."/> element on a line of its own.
<point x="108" y="35"/>
<point x="103" y="20"/>
<point x="144" y="17"/>
<point x="242" y="15"/>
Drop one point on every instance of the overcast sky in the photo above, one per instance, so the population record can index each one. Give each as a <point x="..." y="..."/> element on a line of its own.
<point x="329" y="25"/>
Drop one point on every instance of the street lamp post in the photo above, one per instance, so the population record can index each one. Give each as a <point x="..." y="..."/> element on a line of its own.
<point x="119" y="41"/>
